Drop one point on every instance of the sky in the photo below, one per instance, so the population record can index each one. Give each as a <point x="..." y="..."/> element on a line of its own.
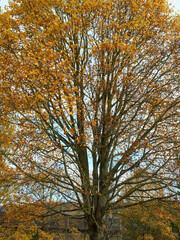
<point x="175" y="3"/>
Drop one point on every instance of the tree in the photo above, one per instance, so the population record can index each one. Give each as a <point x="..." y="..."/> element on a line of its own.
<point x="6" y="134"/>
<point x="147" y="222"/>
<point x="93" y="86"/>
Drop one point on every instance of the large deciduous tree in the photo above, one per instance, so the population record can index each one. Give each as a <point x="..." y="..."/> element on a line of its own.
<point x="7" y="173"/>
<point x="93" y="87"/>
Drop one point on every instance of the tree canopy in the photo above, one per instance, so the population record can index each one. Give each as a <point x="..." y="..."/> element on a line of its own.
<point x="92" y="89"/>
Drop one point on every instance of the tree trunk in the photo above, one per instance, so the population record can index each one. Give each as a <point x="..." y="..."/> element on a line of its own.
<point x="96" y="222"/>
<point x="96" y="229"/>
<point x="97" y="233"/>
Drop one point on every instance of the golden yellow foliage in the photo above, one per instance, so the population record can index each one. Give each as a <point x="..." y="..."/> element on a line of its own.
<point x="91" y="89"/>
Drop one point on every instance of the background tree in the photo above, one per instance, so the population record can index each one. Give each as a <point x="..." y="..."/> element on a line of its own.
<point x="148" y="222"/>
<point x="94" y="90"/>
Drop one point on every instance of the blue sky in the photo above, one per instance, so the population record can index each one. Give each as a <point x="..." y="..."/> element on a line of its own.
<point x="175" y="3"/>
